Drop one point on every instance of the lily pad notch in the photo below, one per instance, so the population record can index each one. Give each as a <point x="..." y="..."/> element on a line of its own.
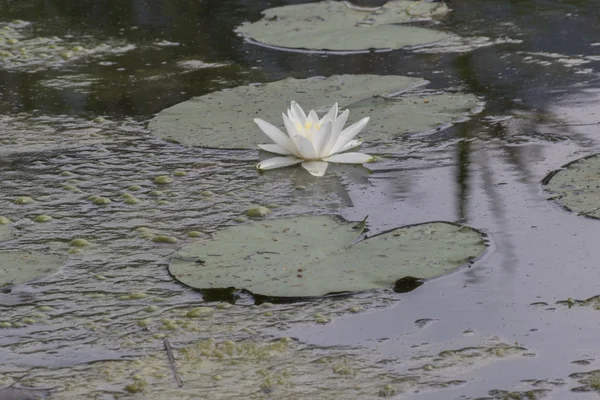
<point x="315" y="256"/>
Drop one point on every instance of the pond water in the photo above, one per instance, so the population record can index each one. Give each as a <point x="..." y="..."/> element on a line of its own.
<point x="74" y="126"/>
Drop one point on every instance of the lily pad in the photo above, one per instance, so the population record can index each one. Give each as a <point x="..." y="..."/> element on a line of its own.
<point x="313" y="256"/>
<point x="338" y="26"/>
<point x="18" y="267"/>
<point x="224" y="119"/>
<point x="576" y="186"/>
<point x="5" y="232"/>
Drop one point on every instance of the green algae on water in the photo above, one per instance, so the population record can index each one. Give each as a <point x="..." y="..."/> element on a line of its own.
<point x="164" y="239"/>
<point x="78" y="242"/>
<point x="163" y="180"/>
<point x="258" y="212"/>
<point x="200" y="312"/>
<point x="23" y="200"/>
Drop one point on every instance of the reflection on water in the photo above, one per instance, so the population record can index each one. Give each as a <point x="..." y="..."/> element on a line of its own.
<point x="74" y="128"/>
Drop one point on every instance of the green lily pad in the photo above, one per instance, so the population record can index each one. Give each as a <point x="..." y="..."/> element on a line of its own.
<point x="312" y="256"/>
<point x="18" y="267"/>
<point x="576" y="186"/>
<point x="5" y="232"/>
<point x="224" y="119"/>
<point x="337" y="26"/>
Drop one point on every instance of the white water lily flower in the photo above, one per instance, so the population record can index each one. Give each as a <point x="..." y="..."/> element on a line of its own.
<point x="312" y="141"/>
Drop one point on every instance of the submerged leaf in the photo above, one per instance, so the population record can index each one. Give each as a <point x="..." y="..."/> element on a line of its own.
<point x="308" y="256"/>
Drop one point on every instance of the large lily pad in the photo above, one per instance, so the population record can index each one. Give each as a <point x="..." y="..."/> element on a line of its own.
<point x="224" y="119"/>
<point x="576" y="186"/>
<point x="337" y="26"/>
<point x="312" y="256"/>
<point x="18" y="267"/>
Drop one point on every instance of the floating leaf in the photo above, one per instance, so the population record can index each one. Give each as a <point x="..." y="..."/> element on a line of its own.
<point x="5" y="232"/>
<point x="337" y="26"/>
<point x="224" y="119"/>
<point x="576" y="186"/>
<point x="22" y="266"/>
<point x="309" y="256"/>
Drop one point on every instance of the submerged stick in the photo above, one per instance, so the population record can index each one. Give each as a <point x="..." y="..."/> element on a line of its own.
<point x="172" y="362"/>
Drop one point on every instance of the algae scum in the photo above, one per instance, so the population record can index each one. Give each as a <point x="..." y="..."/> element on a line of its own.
<point x="95" y="201"/>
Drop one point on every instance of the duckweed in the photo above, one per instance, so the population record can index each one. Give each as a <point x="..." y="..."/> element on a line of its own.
<point x="199" y="312"/>
<point x="258" y="212"/>
<point x="43" y="218"/>
<point x="23" y="200"/>
<point x="387" y="391"/>
<point x="133" y="296"/>
<point x="138" y="386"/>
<point x="163" y="180"/>
<point x="164" y="239"/>
<point x="194" y="234"/>
<point x="79" y="243"/>
<point x="4" y="221"/>
<point x="100" y="201"/>
<point x="134" y="188"/>
<point x="179" y="172"/>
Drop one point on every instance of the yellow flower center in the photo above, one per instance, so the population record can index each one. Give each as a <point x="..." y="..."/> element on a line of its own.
<point x="308" y="126"/>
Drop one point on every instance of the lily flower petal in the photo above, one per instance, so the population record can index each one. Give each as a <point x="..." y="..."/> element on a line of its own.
<point x="316" y="168"/>
<point x="305" y="147"/>
<point x="322" y="138"/>
<point x="297" y="114"/>
<point x="312" y="118"/>
<point x="291" y="128"/>
<point x="278" y="162"/>
<point x="349" y="133"/>
<point x="351" y="145"/>
<point x="336" y="129"/>
<point x="275" y="134"/>
<point x="274" y="148"/>
<point x="331" y="115"/>
<point x="350" y="158"/>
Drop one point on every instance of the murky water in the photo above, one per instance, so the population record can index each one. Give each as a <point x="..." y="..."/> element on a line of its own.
<point x="73" y="127"/>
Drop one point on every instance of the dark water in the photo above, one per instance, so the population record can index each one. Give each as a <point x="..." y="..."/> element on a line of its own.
<point x="484" y="173"/>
